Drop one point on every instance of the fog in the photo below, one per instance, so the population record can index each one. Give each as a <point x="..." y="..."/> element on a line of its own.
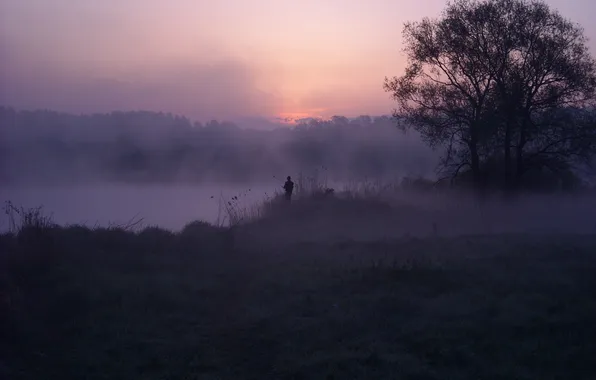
<point x="168" y="170"/>
<point x="147" y="147"/>
<point x="390" y="214"/>
<point x="412" y="215"/>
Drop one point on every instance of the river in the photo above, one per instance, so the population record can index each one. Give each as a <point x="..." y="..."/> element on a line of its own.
<point x="168" y="206"/>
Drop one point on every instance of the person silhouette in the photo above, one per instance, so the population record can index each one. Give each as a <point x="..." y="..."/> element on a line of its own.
<point x="289" y="188"/>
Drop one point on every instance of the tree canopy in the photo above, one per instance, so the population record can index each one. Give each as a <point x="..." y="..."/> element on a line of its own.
<point x="506" y="87"/>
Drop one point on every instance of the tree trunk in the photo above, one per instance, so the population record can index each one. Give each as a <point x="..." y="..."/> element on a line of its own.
<point x="519" y="155"/>
<point x="519" y="168"/>
<point x="507" y="153"/>
<point x="475" y="161"/>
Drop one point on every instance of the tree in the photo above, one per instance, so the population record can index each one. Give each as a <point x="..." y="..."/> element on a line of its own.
<point x="506" y="81"/>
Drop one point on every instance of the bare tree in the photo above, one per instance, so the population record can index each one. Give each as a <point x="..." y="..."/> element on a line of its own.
<point x="496" y="80"/>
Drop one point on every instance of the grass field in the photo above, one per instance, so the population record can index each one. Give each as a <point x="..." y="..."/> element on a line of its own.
<point x="107" y="303"/>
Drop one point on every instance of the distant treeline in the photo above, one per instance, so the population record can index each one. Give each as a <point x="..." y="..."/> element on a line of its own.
<point x="47" y="146"/>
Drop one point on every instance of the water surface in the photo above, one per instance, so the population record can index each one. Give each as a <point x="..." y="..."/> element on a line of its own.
<point x="169" y="206"/>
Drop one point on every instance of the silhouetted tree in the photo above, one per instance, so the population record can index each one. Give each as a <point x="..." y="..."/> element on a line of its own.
<point x="499" y="80"/>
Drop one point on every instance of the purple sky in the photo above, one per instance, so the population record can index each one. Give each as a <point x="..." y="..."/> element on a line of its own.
<point x="225" y="59"/>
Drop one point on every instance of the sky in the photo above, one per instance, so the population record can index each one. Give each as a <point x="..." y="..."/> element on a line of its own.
<point x="208" y="59"/>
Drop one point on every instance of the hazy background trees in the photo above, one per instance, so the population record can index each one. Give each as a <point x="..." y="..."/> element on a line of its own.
<point x="505" y="88"/>
<point x="46" y="146"/>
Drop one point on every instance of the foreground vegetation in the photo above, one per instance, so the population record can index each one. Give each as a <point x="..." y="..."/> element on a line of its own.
<point x="203" y="303"/>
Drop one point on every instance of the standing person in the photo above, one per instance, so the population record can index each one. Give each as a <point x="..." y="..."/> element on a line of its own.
<point x="289" y="188"/>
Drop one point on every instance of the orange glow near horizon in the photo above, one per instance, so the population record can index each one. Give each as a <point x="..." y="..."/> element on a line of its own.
<point x="293" y="116"/>
<point x="225" y="59"/>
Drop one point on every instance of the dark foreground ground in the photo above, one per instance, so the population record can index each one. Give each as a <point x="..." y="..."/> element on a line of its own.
<point x="106" y="304"/>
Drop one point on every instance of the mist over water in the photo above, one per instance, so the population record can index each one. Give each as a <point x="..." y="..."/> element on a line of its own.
<point x="110" y="169"/>
<point x="40" y="147"/>
<point x="169" y="170"/>
<point x="404" y="214"/>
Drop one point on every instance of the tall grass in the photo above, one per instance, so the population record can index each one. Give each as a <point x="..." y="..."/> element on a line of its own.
<point x="315" y="183"/>
<point x="235" y="211"/>
<point x="21" y="220"/>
